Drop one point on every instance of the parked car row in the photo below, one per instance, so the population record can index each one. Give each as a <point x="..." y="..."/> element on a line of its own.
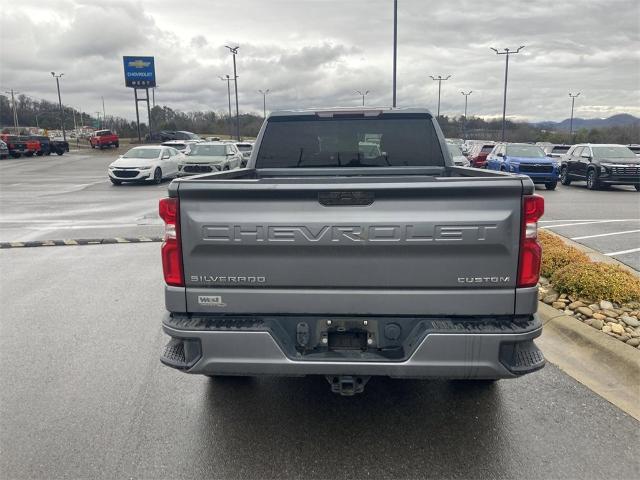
<point x="599" y="165"/>
<point x="154" y="163"/>
<point x="29" y="145"/>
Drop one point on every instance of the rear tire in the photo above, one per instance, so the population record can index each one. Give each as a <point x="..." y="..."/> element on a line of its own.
<point x="564" y="176"/>
<point x="637" y="187"/>
<point x="592" y="180"/>
<point x="551" y="185"/>
<point x="40" y="153"/>
<point x="117" y="144"/>
<point x="115" y="182"/>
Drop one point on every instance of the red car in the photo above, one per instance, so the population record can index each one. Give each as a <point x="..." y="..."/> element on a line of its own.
<point x="478" y="154"/>
<point x="103" y="139"/>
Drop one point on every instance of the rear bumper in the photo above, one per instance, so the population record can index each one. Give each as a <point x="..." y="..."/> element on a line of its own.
<point x="437" y="348"/>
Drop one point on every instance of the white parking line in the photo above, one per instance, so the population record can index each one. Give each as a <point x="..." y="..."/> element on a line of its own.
<point x="622" y="252"/>
<point x="591" y="222"/>
<point x="604" y="234"/>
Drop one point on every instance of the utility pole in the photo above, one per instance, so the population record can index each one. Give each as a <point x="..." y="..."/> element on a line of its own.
<point x="362" y="94"/>
<point x="227" y="79"/>
<point x="234" y="52"/>
<point x="395" y="48"/>
<point x="573" y="100"/>
<point x="506" y="52"/>
<point x="104" y="115"/>
<point x="439" y="79"/>
<point x="264" y="102"/>
<point x="464" y="124"/>
<point x="57" y="77"/>
<point x="12" y="92"/>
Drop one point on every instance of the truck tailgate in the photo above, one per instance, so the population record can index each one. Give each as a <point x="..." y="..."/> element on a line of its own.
<point x="393" y="247"/>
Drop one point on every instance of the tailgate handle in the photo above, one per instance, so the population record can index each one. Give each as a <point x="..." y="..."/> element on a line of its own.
<point x="345" y="198"/>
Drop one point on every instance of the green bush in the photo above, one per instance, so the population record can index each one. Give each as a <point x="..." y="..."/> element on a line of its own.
<point x="558" y="255"/>
<point x="598" y="281"/>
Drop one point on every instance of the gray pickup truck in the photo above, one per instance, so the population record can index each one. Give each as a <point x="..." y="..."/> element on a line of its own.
<point x="350" y="247"/>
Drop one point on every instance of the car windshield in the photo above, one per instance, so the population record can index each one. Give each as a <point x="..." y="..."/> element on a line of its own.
<point x="486" y="148"/>
<point x="142" y="153"/>
<point x="244" y="148"/>
<point x="179" y="146"/>
<point x="612" y="152"/>
<point x="208" y="151"/>
<point x="527" y="151"/>
<point x="454" y="149"/>
<point x="560" y="149"/>
<point x="312" y="142"/>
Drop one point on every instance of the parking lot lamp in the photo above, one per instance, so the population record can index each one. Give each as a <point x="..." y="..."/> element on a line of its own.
<point x="234" y="52"/>
<point x="506" y="52"/>
<point x="464" y="123"/>
<point x="57" y="77"/>
<point x="395" y="47"/>
<point x="439" y="79"/>
<point x="264" y="101"/>
<point x="227" y="79"/>
<point x="362" y="94"/>
<point x="573" y="100"/>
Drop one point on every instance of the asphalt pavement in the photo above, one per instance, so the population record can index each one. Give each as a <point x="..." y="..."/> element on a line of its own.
<point x="606" y="220"/>
<point x="83" y="395"/>
<point x="70" y="196"/>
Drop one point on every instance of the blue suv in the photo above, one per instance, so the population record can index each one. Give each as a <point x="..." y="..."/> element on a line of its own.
<point x="526" y="159"/>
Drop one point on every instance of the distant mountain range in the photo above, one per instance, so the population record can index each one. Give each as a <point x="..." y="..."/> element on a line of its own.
<point x="578" y="123"/>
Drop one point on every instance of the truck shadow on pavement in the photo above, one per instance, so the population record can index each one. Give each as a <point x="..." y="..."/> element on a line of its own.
<point x="291" y="427"/>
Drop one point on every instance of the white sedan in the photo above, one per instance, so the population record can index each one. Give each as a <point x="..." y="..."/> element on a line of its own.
<point x="145" y="164"/>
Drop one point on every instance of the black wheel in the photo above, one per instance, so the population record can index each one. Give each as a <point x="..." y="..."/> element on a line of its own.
<point x="39" y="153"/>
<point x="592" y="180"/>
<point x="551" y="185"/>
<point x="115" y="182"/>
<point x="564" y="176"/>
<point x="60" y="152"/>
<point x="117" y="144"/>
<point x="637" y="187"/>
<point x="157" y="176"/>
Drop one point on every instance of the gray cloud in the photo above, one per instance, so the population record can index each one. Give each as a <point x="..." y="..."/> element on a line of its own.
<point x="317" y="52"/>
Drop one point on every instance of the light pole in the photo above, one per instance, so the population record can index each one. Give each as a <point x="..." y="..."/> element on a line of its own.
<point x="573" y="100"/>
<point x="15" y="113"/>
<point x="57" y="77"/>
<point x="439" y="79"/>
<point x="506" y="52"/>
<point x="395" y="47"/>
<point x="227" y="79"/>
<point x="464" y="124"/>
<point x="264" y="101"/>
<point x="234" y="52"/>
<point x="362" y="94"/>
<point x="99" y="121"/>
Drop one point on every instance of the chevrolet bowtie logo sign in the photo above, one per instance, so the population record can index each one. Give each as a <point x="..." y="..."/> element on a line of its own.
<point x="139" y="64"/>
<point x="139" y="72"/>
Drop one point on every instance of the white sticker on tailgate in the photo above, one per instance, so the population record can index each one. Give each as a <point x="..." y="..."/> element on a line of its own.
<point x="211" y="301"/>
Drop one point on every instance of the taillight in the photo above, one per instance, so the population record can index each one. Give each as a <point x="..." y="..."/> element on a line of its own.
<point x="169" y="209"/>
<point x="530" y="250"/>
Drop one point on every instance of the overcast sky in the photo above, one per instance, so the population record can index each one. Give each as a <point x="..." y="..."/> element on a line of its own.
<point x="313" y="53"/>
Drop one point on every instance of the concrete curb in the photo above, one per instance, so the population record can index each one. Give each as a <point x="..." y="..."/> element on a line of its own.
<point x="605" y="365"/>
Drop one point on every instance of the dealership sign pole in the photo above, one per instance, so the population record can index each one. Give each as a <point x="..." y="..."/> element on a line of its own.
<point x="140" y="74"/>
